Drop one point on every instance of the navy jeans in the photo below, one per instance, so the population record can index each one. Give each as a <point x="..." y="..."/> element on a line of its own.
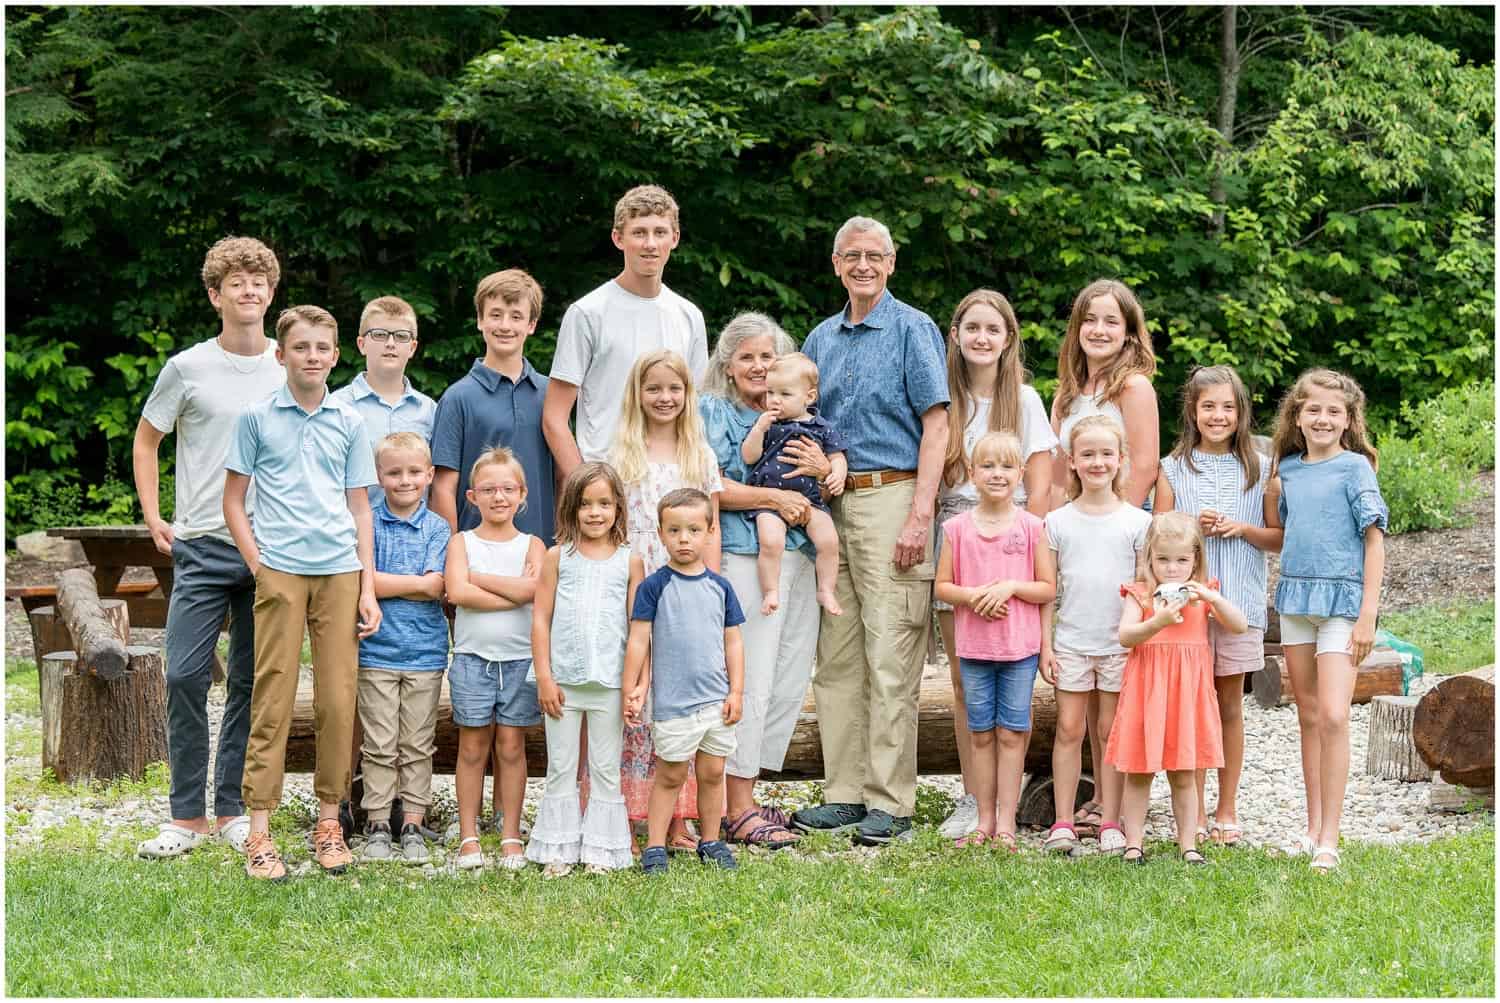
<point x="210" y="580"/>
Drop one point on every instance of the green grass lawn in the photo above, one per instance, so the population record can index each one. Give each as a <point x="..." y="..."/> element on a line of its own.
<point x="1453" y="636"/>
<point x="920" y="920"/>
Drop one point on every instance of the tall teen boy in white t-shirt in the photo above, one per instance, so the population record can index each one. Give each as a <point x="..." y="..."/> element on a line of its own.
<point x="198" y="394"/>
<point x="603" y="333"/>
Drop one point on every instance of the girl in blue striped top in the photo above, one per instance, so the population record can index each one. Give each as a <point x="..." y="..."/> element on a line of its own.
<point x="1215" y="474"/>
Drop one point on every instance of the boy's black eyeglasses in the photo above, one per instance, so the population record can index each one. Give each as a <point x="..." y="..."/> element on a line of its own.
<point x="400" y="337"/>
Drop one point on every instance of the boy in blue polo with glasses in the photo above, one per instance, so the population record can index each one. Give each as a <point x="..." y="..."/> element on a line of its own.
<point x="382" y="394"/>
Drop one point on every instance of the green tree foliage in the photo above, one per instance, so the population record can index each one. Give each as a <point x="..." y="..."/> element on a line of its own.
<point x="411" y="150"/>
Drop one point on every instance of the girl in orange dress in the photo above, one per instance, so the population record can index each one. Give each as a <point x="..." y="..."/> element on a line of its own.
<point x="1168" y="715"/>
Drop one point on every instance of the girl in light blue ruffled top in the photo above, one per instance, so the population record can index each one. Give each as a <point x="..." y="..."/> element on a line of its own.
<point x="1332" y="561"/>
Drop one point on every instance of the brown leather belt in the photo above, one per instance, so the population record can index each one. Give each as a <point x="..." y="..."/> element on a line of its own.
<point x="878" y="478"/>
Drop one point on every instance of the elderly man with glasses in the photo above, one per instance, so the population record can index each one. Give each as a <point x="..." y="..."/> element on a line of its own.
<point x="883" y="384"/>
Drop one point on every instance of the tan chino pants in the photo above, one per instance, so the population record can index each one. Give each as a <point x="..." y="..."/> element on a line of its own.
<point x="870" y="659"/>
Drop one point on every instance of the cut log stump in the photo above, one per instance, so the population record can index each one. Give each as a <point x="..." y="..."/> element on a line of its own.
<point x="1446" y="797"/>
<point x="1391" y="754"/>
<point x="1454" y="728"/>
<point x="103" y="729"/>
<point x="96" y="638"/>
<point x="1379" y="674"/>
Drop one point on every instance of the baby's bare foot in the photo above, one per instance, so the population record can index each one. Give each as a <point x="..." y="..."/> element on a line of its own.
<point x="830" y="604"/>
<point x="769" y="603"/>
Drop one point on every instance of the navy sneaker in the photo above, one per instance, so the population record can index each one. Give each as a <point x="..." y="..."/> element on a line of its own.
<point x="717" y="851"/>
<point x="654" y="860"/>
<point x="879" y="828"/>
<point x="834" y="817"/>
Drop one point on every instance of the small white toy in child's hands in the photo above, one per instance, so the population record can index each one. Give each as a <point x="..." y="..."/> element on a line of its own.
<point x="1169" y="592"/>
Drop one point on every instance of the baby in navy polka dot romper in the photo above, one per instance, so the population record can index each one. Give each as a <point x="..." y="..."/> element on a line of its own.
<point x="791" y="393"/>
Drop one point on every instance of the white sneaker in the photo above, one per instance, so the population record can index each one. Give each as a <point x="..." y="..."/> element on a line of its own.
<point x="964" y="820"/>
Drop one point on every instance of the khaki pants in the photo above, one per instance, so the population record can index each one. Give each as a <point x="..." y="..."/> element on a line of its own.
<point x="870" y="659"/>
<point x="329" y="607"/>
<point x="398" y="712"/>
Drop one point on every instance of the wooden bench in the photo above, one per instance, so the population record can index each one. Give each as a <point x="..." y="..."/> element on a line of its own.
<point x="148" y="605"/>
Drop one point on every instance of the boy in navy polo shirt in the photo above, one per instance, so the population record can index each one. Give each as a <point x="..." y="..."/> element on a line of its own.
<point x="497" y="403"/>
<point x="313" y="559"/>
<point x="687" y="619"/>
<point x="401" y="665"/>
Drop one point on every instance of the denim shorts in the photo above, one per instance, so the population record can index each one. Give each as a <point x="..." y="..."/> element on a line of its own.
<point x="998" y="694"/>
<point x="484" y="692"/>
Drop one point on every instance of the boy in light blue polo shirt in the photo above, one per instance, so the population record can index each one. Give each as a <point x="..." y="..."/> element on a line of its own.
<point x="401" y="665"/>
<point x="687" y="619"/>
<point x="382" y="394"/>
<point x="312" y="554"/>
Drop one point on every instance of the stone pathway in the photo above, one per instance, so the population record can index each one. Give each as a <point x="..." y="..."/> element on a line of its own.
<point x="1271" y="805"/>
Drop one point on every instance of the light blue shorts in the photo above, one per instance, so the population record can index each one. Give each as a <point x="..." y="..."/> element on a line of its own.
<point x="485" y="692"/>
<point x="998" y="694"/>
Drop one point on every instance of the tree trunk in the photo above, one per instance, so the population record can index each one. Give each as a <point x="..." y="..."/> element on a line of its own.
<point x="1391" y="753"/>
<point x="1229" y="85"/>
<point x="101" y="651"/>
<point x="101" y="729"/>
<point x="1454" y="728"/>
<point x="937" y="751"/>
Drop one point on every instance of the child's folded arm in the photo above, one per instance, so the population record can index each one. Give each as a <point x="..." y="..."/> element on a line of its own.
<point x="393" y="586"/>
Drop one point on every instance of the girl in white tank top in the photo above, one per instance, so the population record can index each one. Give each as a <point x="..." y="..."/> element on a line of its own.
<point x="491" y="577"/>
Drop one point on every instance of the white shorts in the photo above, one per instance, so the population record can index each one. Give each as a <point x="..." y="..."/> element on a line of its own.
<point x="704" y="730"/>
<point x="1081" y="673"/>
<point x="1331" y="634"/>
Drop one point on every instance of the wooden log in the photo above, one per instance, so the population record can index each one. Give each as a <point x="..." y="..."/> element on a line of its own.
<point x="1379" y="674"/>
<point x="1454" y="728"/>
<point x="1271" y="685"/>
<point x="937" y="751"/>
<point x="1446" y="797"/>
<point x="50" y="633"/>
<point x="102" y="729"/>
<point x="1390" y="752"/>
<point x="1036" y="808"/>
<point x="1273" y="625"/>
<point x="101" y="652"/>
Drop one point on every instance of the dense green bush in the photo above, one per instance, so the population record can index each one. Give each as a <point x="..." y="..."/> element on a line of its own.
<point x="1458" y="423"/>
<point x="1429" y="476"/>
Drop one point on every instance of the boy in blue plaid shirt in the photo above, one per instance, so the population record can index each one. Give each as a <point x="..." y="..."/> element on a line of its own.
<point x="401" y="664"/>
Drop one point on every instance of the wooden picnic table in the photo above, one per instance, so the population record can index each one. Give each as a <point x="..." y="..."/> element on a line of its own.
<point x="114" y="549"/>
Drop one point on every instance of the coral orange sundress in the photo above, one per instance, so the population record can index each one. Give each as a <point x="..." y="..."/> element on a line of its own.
<point x="1167" y="717"/>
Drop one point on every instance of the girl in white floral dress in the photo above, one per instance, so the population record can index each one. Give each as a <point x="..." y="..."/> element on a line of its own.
<point x="660" y="446"/>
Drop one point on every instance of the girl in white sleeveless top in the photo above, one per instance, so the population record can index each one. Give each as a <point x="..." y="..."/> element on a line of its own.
<point x="579" y="631"/>
<point x="491" y="577"/>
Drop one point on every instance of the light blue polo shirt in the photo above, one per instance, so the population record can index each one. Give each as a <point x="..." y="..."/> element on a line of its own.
<point x="413" y="412"/>
<point x="302" y="465"/>
<point x="877" y="378"/>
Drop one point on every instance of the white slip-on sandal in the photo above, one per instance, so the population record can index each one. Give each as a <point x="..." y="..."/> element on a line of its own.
<point x="173" y="841"/>
<point x="468" y="861"/>
<point x="235" y="832"/>
<point x="512" y="861"/>
<point x="1332" y="855"/>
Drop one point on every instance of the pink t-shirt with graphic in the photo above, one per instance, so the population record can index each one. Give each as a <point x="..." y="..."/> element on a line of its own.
<point x="979" y="560"/>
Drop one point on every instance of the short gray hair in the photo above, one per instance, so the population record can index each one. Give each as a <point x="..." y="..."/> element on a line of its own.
<point x="864" y="224"/>
<point x="743" y="327"/>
